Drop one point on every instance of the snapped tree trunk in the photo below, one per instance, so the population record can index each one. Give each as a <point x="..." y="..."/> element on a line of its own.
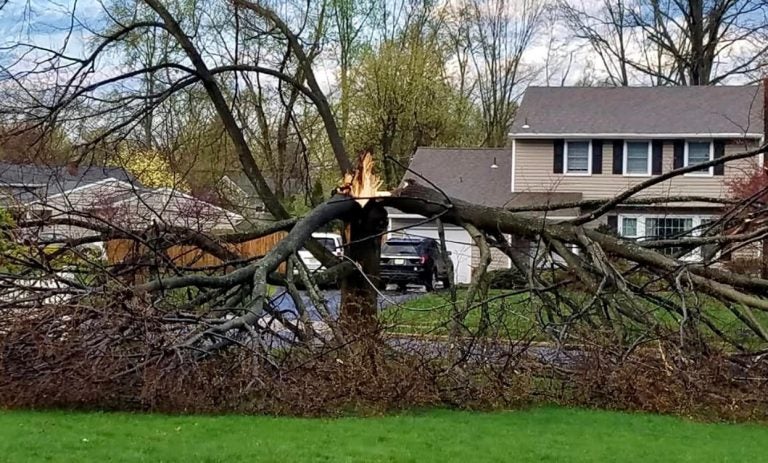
<point x="359" y="289"/>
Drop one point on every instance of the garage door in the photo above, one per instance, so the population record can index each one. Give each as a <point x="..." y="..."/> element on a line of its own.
<point x="457" y="242"/>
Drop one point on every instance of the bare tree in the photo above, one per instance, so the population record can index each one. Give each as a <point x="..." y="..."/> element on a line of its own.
<point x="672" y="43"/>
<point x="498" y="33"/>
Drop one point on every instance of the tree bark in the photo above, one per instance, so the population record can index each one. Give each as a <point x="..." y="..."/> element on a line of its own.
<point x="360" y="289"/>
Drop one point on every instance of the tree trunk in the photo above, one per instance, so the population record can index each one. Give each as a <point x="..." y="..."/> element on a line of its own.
<point x="359" y="290"/>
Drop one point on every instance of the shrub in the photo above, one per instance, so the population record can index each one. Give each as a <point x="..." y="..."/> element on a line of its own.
<point x="510" y="278"/>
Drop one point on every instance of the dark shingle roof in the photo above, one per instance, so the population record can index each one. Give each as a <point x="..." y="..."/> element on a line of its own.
<point x="466" y="173"/>
<point x="33" y="175"/>
<point x="640" y="110"/>
<point x="23" y="183"/>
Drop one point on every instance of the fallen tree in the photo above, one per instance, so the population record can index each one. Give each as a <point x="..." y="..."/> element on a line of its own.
<point x="151" y="325"/>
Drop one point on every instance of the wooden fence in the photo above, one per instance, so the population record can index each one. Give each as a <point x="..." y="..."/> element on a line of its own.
<point x="119" y="251"/>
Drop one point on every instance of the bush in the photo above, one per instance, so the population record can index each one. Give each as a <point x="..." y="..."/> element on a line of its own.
<point x="510" y="278"/>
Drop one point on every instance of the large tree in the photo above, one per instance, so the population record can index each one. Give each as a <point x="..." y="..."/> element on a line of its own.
<point x="497" y="34"/>
<point x="620" y="277"/>
<point x="402" y="98"/>
<point x="668" y="42"/>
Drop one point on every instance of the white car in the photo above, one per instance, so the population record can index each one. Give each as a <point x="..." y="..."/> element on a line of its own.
<point x="331" y="241"/>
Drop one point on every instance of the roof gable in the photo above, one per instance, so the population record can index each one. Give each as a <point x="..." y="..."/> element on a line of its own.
<point x="466" y="173"/>
<point x="620" y="111"/>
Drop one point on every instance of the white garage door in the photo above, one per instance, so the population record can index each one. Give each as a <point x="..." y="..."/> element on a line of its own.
<point x="457" y="242"/>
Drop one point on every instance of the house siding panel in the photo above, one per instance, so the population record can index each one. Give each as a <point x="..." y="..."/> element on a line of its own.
<point x="499" y="260"/>
<point x="534" y="174"/>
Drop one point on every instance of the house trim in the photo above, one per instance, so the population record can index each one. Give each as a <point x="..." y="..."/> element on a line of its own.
<point x="631" y="135"/>
<point x="514" y="161"/>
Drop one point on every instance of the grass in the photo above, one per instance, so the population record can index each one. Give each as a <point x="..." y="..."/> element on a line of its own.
<point x="545" y="434"/>
<point x="516" y="314"/>
<point x="432" y="312"/>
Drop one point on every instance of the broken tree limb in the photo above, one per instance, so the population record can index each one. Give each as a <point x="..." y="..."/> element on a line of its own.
<point x="418" y="199"/>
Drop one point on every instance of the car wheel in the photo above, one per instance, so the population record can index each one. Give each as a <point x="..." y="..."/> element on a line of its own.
<point x="402" y="287"/>
<point x="446" y="283"/>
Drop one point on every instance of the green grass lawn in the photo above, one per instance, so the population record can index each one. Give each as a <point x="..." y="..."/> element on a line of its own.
<point x="547" y="434"/>
<point x="516" y="315"/>
<point x="432" y="312"/>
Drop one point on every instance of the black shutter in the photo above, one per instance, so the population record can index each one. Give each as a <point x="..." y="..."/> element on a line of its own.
<point x="719" y="152"/>
<point x="613" y="223"/>
<point x="679" y="157"/>
<point x="618" y="157"/>
<point x="558" y="161"/>
<point x="658" y="157"/>
<point x="597" y="156"/>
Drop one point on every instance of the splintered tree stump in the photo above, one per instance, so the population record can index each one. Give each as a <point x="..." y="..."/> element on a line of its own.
<point x="359" y="289"/>
<point x="363" y="229"/>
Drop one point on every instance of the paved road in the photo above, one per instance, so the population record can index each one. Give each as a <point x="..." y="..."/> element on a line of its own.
<point x="284" y="302"/>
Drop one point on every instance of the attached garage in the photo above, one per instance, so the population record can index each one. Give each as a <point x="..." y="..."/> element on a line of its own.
<point x="457" y="241"/>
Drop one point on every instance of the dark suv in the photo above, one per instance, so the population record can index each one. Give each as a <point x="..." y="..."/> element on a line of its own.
<point x="415" y="260"/>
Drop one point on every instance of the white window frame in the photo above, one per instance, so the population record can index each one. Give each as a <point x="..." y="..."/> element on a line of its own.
<point x="626" y="156"/>
<point x="711" y="171"/>
<point x="696" y="221"/>
<point x="637" y="226"/>
<point x="589" y="158"/>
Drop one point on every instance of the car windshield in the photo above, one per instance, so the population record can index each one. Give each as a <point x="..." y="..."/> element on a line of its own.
<point x="400" y="248"/>
<point x="328" y="243"/>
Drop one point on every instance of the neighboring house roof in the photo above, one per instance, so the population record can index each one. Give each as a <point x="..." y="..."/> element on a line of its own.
<point x="171" y="207"/>
<point x="77" y="195"/>
<point x="465" y="173"/>
<point x="122" y="202"/>
<point x="32" y="175"/>
<point x="627" y="111"/>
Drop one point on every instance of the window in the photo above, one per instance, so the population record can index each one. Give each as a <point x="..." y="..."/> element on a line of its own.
<point x="629" y="227"/>
<point x="669" y="228"/>
<point x="400" y="248"/>
<point x="637" y="158"/>
<point x="577" y="157"/>
<point x="697" y="152"/>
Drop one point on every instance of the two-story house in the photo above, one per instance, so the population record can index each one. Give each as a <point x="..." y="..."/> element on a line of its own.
<point x="570" y="144"/>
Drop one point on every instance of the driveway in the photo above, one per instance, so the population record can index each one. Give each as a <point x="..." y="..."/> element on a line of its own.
<point x="284" y="302"/>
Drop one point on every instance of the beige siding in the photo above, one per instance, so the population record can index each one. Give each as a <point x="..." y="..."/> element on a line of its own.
<point x="533" y="173"/>
<point x="499" y="260"/>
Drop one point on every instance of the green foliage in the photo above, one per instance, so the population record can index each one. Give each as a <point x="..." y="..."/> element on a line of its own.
<point x="10" y="249"/>
<point x="401" y="99"/>
<point x="317" y="192"/>
<point x="151" y="169"/>
<point x="296" y="205"/>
